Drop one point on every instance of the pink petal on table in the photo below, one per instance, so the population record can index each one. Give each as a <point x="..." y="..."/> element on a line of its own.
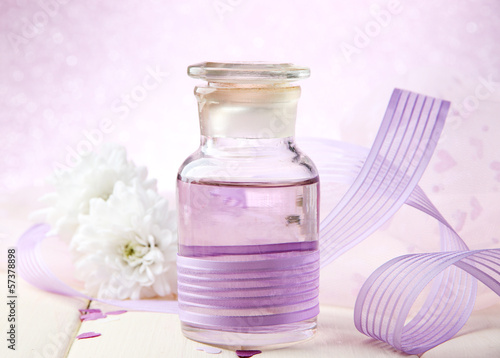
<point x="89" y="310"/>
<point x="116" y="312"/>
<point x="211" y="350"/>
<point x="88" y="335"/>
<point x="247" y="354"/>
<point x="92" y="316"/>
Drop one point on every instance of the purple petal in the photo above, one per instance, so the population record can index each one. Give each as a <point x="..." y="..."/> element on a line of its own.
<point x="247" y="354"/>
<point x="211" y="350"/>
<point x="92" y="316"/>
<point x="116" y="312"/>
<point x="88" y="335"/>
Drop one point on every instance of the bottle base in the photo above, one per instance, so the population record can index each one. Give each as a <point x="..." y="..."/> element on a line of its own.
<point x="263" y="338"/>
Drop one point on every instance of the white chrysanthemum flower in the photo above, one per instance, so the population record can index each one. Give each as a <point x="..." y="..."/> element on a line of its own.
<point x="126" y="245"/>
<point x="94" y="177"/>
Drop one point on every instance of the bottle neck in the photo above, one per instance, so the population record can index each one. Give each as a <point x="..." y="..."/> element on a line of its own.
<point x="246" y="147"/>
<point x="246" y="112"/>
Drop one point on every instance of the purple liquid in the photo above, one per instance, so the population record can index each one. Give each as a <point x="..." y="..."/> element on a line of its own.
<point x="229" y="214"/>
<point x="244" y="222"/>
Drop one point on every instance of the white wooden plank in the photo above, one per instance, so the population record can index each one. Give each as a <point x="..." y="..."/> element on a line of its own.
<point x="144" y="334"/>
<point x="46" y="323"/>
<point x="336" y="337"/>
<point x="480" y="337"/>
<point x="136" y="334"/>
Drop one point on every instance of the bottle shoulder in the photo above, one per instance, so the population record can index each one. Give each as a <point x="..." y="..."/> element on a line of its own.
<point x="287" y="166"/>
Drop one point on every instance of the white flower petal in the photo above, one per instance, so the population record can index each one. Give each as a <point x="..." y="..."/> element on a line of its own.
<point x="136" y="250"/>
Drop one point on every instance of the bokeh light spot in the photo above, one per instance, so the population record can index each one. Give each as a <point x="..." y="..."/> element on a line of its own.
<point x="71" y="60"/>
<point x="471" y="27"/>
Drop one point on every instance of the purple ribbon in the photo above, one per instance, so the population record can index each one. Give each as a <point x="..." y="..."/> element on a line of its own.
<point x="33" y="269"/>
<point x="270" y="290"/>
<point x="381" y="181"/>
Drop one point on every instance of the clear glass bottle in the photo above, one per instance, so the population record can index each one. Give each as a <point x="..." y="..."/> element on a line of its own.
<point x="248" y="196"/>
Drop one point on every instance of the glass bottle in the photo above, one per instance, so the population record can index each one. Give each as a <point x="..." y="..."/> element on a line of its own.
<point x="248" y="203"/>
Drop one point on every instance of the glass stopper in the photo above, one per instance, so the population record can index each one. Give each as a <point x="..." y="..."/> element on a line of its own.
<point x="248" y="72"/>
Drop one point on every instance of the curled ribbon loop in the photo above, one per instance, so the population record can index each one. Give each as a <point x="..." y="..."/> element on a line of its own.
<point x="381" y="181"/>
<point x="380" y="185"/>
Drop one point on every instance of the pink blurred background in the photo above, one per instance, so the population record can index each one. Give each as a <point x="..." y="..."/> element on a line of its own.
<point x="74" y="70"/>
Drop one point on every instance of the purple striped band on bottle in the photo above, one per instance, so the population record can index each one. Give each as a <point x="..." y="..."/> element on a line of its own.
<point x="235" y="292"/>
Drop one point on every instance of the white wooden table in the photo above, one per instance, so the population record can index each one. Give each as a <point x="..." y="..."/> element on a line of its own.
<point x="48" y="324"/>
